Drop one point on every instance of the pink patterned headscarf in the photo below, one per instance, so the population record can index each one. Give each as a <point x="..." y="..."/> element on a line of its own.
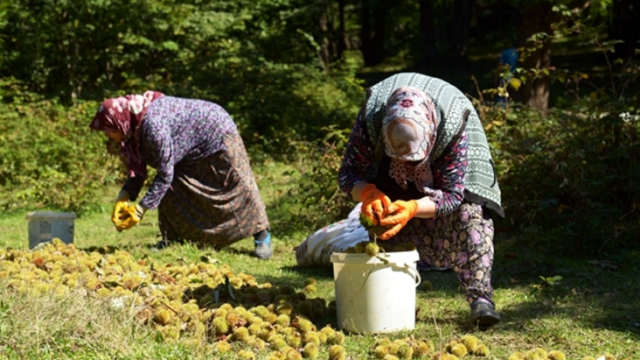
<point x="410" y="130"/>
<point x="125" y="115"/>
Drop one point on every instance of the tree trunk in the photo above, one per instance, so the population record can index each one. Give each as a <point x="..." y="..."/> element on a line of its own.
<point x="536" y="93"/>
<point x="428" y="48"/>
<point x="379" y="30"/>
<point x="462" y="11"/>
<point x="325" y="44"/>
<point x="334" y="40"/>
<point x="537" y="18"/>
<point x="343" y="40"/>
<point x="365" y="30"/>
<point x="372" y="31"/>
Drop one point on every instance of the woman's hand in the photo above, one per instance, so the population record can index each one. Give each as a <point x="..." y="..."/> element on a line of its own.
<point x="400" y="213"/>
<point x="119" y="209"/>
<point x="375" y="203"/>
<point x="131" y="215"/>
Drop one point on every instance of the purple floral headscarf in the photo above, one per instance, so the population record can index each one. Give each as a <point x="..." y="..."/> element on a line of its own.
<point x="125" y="114"/>
<point x="410" y="130"/>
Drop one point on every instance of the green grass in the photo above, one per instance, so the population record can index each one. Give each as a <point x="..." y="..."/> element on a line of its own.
<point x="594" y="309"/>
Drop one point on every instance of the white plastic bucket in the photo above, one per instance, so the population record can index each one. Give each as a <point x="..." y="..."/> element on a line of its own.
<point x="376" y="294"/>
<point x="44" y="226"/>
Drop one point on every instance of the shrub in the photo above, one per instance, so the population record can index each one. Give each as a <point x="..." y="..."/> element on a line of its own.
<point x="319" y="198"/>
<point x="49" y="158"/>
<point x="572" y="176"/>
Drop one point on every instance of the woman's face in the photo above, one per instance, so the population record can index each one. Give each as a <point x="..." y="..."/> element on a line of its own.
<point x="403" y="136"/>
<point x="114" y="135"/>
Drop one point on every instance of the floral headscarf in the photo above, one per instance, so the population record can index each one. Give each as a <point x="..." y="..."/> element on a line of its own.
<point x="125" y="114"/>
<point x="410" y="130"/>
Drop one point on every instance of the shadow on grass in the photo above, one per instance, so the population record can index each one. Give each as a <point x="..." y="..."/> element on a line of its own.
<point x="111" y="249"/>
<point x="104" y="250"/>
<point x="296" y="276"/>
<point x="588" y="296"/>
<point x="597" y="294"/>
<point x="236" y="251"/>
<point x="323" y="272"/>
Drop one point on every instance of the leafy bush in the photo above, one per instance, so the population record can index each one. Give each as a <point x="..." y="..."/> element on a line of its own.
<point x="319" y="198"/>
<point x="277" y="104"/>
<point x="49" y="158"/>
<point x="93" y="48"/>
<point x="570" y="180"/>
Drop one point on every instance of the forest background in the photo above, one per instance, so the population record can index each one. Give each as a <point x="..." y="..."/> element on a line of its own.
<point x="292" y="74"/>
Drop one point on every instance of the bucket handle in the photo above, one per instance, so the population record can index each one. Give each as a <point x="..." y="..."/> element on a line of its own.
<point x="415" y="273"/>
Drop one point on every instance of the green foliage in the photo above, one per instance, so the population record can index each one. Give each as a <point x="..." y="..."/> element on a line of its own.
<point x="551" y="281"/>
<point x="237" y="53"/>
<point x="569" y="179"/>
<point x="93" y="48"/>
<point x="320" y="199"/>
<point x="49" y="159"/>
<point x="89" y="48"/>
<point x="277" y="104"/>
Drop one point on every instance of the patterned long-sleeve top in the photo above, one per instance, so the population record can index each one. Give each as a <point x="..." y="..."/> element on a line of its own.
<point x="177" y="130"/>
<point x="448" y="170"/>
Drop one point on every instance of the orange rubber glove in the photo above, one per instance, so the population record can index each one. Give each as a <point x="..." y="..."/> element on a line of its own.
<point x="131" y="216"/>
<point x="401" y="212"/>
<point x="374" y="203"/>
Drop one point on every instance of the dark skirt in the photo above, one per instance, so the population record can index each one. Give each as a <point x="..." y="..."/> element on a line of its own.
<point x="213" y="201"/>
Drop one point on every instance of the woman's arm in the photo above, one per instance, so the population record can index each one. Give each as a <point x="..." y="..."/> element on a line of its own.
<point x="158" y="148"/>
<point x="448" y="175"/>
<point x="426" y="208"/>
<point x="134" y="184"/>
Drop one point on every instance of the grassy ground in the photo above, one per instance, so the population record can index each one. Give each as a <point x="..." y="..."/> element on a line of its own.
<point x="592" y="310"/>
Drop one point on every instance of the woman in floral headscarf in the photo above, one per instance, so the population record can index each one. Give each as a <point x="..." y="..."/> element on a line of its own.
<point x="204" y="188"/>
<point x="419" y="163"/>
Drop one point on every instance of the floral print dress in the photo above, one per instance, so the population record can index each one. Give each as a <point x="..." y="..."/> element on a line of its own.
<point x="204" y="188"/>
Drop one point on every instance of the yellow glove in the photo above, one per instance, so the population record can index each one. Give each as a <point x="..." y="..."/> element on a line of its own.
<point x="119" y="213"/>
<point x="132" y="215"/>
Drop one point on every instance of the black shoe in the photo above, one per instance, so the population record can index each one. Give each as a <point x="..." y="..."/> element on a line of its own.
<point x="483" y="314"/>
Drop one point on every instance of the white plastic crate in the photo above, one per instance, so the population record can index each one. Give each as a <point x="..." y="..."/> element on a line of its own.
<point x="44" y="226"/>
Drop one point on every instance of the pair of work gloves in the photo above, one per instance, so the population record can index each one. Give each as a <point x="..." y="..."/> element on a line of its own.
<point x="394" y="215"/>
<point x="125" y="215"/>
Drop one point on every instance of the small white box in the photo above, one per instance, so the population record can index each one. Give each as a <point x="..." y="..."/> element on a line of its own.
<point x="44" y="226"/>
